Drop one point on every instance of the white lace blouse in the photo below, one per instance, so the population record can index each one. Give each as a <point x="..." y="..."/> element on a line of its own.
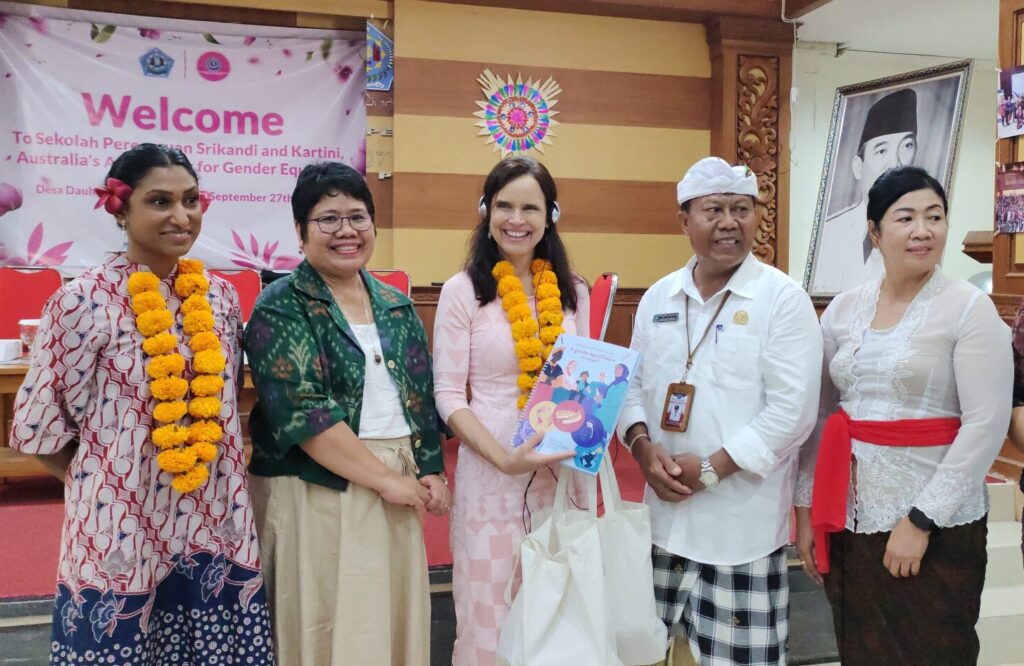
<point x="949" y="356"/>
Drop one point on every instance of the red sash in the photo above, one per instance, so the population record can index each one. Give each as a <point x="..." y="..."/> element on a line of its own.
<point x="835" y="456"/>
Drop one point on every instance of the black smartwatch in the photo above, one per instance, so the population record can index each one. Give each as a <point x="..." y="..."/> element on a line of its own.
<point x="920" y="520"/>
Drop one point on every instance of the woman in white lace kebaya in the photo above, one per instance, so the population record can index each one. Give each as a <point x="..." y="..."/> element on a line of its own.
<point x="916" y="389"/>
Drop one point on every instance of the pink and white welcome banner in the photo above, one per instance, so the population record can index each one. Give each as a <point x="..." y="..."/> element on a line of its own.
<point x="250" y="106"/>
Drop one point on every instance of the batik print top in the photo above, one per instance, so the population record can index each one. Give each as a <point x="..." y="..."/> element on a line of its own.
<point x="137" y="557"/>
<point x="308" y="368"/>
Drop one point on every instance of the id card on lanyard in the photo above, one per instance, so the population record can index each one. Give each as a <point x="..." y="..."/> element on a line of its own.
<point x="675" y="415"/>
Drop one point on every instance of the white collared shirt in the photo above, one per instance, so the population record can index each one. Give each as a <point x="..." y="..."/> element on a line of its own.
<point x="757" y="377"/>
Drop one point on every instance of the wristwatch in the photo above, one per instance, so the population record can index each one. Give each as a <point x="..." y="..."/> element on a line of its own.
<point x="920" y="519"/>
<point x="708" y="475"/>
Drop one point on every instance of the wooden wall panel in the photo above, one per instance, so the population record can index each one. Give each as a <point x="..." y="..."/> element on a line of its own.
<point x="520" y="38"/>
<point x="449" y="201"/>
<point x="449" y="88"/>
<point x="752" y="75"/>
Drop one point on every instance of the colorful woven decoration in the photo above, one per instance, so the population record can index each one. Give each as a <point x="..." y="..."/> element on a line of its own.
<point x="517" y="116"/>
<point x="380" y="59"/>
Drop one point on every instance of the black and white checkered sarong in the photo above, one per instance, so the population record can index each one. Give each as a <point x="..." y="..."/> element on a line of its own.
<point x="734" y="615"/>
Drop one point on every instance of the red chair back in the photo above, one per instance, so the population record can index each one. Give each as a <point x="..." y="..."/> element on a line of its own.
<point x="602" y="297"/>
<point x="23" y="293"/>
<point x="247" y="283"/>
<point x="398" y="279"/>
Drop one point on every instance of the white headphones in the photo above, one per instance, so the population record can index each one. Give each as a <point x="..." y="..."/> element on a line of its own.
<point x="556" y="212"/>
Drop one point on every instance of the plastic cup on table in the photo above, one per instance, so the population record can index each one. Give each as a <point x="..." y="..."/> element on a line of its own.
<point x="27" y="329"/>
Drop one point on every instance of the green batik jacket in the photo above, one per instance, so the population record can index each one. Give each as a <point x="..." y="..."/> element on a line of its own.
<point x="309" y="370"/>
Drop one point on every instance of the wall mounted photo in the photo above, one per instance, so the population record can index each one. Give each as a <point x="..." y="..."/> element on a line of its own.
<point x="906" y="119"/>
<point x="1010" y="103"/>
<point x="1010" y="198"/>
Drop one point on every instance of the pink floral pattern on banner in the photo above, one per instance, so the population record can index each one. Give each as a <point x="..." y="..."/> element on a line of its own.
<point x="10" y="198"/>
<point x="60" y="152"/>
<point x="54" y="256"/>
<point x="252" y="256"/>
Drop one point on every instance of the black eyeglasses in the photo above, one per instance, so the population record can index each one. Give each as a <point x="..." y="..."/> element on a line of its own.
<point x="330" y="224"/>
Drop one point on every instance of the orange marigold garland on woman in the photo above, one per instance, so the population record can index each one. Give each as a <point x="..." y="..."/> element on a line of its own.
<point x="184" y="450"/>
<point x="533" y="340"/>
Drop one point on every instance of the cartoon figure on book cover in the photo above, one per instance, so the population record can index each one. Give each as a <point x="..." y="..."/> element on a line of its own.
<point x="573" y="411"/>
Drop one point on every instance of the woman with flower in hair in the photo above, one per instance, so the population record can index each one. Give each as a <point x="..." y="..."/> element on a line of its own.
<point x="131" y="400"/>
<point x="496" y="322"/>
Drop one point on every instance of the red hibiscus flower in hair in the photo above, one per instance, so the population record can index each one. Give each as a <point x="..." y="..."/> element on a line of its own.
<point x="112" y="196"/>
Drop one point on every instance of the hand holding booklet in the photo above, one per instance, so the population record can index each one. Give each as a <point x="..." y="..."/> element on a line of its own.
<point x="578" y="399"/>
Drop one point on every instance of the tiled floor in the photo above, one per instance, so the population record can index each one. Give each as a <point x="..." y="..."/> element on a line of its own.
<point x="25" y="626"/>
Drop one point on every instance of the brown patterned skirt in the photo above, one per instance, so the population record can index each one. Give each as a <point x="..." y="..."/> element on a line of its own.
<point x="926" y="619"/>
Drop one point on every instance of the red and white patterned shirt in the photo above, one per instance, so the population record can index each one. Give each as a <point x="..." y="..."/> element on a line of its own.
<point x="125" y="528"/>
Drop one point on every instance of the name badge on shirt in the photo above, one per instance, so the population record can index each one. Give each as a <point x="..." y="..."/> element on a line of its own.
<point x="666" y="317"/>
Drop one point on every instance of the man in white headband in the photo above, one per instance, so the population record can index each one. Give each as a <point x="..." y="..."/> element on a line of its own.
<point x="725" y="394"/>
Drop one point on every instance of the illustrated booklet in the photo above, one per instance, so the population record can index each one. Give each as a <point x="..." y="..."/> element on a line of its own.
<point x="577" y="399"/>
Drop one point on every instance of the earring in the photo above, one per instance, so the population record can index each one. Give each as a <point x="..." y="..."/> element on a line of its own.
<point x="489" y="237"/>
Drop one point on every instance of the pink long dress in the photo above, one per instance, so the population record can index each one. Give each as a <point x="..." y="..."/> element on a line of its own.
<point x="491" y="512"/>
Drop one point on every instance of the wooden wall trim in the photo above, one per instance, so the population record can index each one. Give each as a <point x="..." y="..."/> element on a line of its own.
<point x="751" y="73"/>
<point x="1007" y="268"/>
<point x="1007" y="305"/>
<point x="691" y="11"/>
<point x="278" y="14"/>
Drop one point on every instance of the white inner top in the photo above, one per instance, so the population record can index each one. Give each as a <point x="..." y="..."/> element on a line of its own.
<point x="382" y="416"/>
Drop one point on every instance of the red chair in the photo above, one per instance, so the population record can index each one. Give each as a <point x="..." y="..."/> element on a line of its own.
<point x="602" y="297"/>
<point x="398" y="279"/>
<point x="247" y="283"/>
<point x="23" y="293"/>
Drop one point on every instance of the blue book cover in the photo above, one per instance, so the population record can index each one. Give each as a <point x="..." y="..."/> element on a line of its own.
<point x="577" y="400"/>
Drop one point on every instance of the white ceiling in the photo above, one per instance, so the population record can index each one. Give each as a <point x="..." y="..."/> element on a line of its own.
<point x="953" y="28"/>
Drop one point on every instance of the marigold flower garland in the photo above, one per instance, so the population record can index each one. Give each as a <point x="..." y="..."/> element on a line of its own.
<point x="184" y="450"/>
<point x="533" y="340"/>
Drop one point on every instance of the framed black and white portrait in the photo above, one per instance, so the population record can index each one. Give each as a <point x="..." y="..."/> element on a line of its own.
<point x="907" y="119"/>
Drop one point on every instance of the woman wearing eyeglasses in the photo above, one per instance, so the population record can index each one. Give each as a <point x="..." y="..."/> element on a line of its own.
<point x="346" y="450"/>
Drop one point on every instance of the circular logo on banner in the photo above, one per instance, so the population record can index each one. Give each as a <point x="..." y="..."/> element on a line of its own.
<point x="156" y="63"/>
<point x="213" y="66"/>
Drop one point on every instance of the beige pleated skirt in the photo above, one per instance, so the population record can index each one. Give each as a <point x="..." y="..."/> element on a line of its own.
<point x="346" y="572"/>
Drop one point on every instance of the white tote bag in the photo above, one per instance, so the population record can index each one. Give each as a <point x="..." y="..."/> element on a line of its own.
<point x="625" y="530"/>
<point x="558" y="616"/>
<point x="587" y="593"/>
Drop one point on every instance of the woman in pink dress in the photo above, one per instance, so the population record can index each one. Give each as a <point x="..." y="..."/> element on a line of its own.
<point x="497" y="488"/>
<point x="157" y="565"/>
